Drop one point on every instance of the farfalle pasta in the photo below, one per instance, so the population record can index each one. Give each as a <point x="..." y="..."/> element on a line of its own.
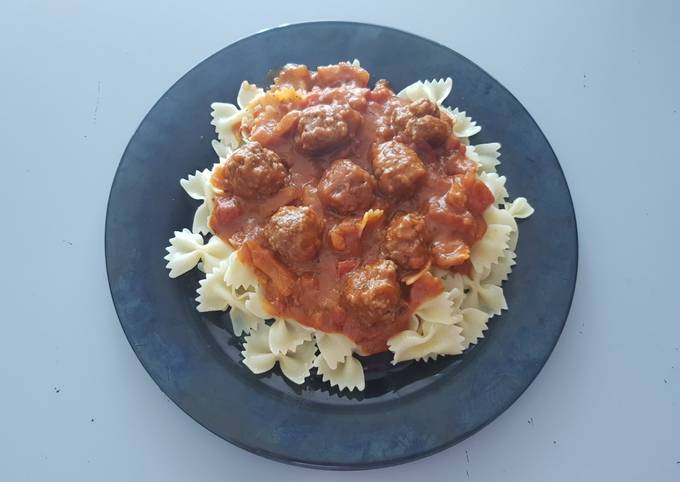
<point x="340" y="221"/>
<point x="496" y="185"/>
<point x="464" y="127"/>
<point x="187" y="250"/>
<point x="334" y="348"/>
<point x="259" y="357"/>
<point x="485" y="155"/>
<point x="347" y="374"/>
<point x="428" y="341"/>
<point x="286" y="335"/>
<point x="198" y="186"/>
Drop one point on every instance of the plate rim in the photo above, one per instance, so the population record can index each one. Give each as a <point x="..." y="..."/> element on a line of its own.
<point x="317" y="464"/>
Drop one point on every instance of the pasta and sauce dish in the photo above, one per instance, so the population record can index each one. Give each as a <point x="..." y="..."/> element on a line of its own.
<point x="344" y="220"/>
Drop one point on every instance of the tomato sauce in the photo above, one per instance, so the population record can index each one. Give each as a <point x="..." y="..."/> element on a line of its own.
<point x="450" y="198"/>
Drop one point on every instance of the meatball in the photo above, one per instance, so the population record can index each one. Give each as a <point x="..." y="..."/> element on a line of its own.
<point x="323" y="128"/>
<point x="398" y="168"/>
<point x="372" y="295"/>
<point x="406" y="241"/>
<point x="422" y="107"/>
<point x="255" y="171"/>
<point x="429" y="130"/>
<point x="346" y="187"/>
<point x="294" y="232"/>
<point x="421" y="123"/>
<point x="402" y="113"/>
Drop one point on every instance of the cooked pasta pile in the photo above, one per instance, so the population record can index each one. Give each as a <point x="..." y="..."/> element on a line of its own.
<point x="446" y="324"/>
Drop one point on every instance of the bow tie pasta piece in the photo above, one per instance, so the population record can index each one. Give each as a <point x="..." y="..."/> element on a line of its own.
<point x="485" y="155"/>
<point x="348" y="374"/>
<point x="259" y="358"/>
<point x="213" y="292"/>
<point x="256" y="353"/>
<point x="334" y="348"/>
<point x="243" y="321"/>
<point x="213" y="253"/>
<point x="434" y="90"/>
<point x="520" y="208"/>
<point x="286" y="335"/>
<point x="226" y="117"/>
<point x="184" y="252"/>
<point x="473" y="323"/>
<point x="439" y="309"/>
<point x="490" y="248"/>
<point x="222" y="151"/>
<point x="256" y="304"/>
<point x="452" y="281"/>
<point x="242" y="280"/>
<point x="486" y="297"/>
<point x="496" y="185"/>
<point x="429" y="341"/>
<point x="499" y="271"/>
<point x="494" y="215"/>
<point x="463" y="126"/>
<point x="239" y="275"/>
<point x="247" y="93"/>
<point x="296" y="366"/>
<point x="187" y="249"/>
<point x="199" y="187"/>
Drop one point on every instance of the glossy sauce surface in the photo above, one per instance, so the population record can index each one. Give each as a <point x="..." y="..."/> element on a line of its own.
<point x="353" y="262"/>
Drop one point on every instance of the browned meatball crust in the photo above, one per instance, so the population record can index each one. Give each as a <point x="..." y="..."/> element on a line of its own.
<point x="346" y="187"/>
<point x="428" y="130"/>
<point x="406" y="241"/>
<point x="323" y="128"/>
<point x="295" y="232"/>
<point x="421" y="123"/>
<point x="422" y="107"/>
<point x="371" y="294"/>
<point x="402" y="113"/>
<point x="398" y="169"/>
<point x="255" y="171"/>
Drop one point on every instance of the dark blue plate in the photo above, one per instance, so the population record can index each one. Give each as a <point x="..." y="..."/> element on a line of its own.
<point x="406" y="412"/>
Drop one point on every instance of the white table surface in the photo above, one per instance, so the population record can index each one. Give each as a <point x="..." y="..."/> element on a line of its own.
<point x="602" y="79"/>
